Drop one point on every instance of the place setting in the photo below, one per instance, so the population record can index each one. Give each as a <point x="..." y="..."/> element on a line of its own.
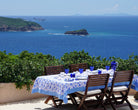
<point x="83" y="75"/>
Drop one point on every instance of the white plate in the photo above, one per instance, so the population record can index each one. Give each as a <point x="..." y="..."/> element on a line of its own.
<point x="95" y="72"/>
<point x="81" y="78"/>
<point x="68" y="80"/>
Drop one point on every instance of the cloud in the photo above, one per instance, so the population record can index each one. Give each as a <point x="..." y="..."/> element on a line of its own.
<point x="115" y="6"/>
<point x="112" y="9"/>
<point x="135" y="8"/>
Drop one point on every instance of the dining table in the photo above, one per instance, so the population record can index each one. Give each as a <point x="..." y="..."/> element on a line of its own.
<point x="62" y="84"/>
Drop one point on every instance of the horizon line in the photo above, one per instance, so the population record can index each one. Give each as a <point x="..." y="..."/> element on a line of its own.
<point x="72" y="15"/>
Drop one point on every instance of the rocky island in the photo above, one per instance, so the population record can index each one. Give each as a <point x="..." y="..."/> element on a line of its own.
<point x="78" y="32"/>
<point x="17" y="24"/>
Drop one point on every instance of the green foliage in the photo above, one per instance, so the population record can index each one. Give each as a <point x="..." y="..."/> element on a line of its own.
<point x="78" y="32"/>
<point x="75" y="57"/>
<point x="16" y="22"/>
<point x="83" y="57"/>
<point x="25" y="67"/>
<point x="81" y="30"/>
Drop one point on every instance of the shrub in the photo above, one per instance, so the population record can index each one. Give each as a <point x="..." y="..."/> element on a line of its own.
<point x="25" y="67"/>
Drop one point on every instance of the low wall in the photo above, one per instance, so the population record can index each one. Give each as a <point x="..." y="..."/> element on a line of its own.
<point x="132" y="92"/>
<point x="9" y="93"/>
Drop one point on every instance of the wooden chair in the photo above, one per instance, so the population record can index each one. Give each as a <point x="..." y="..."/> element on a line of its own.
<point x="117" y="100"/>
<point x="75" y="67"/>
<point x="52" y="70"/>
<point x="93" y="80"/>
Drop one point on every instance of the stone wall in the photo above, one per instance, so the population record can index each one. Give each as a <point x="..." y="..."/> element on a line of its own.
<point x="9" y="93"/>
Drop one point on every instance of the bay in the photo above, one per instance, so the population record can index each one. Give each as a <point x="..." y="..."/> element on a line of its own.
<point x="108" y="36"/>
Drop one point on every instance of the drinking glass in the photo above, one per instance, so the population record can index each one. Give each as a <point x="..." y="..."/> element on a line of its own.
<point x="99" y="71"/>
<point x="66" y="71"/>
<point x="114" y="68"/>
<point x="81" y="70"/>
<point x="91" y="68"/>
<point x="114" y="65"/>
<point x="72" y="75"/>
<point x="107" y="67"/>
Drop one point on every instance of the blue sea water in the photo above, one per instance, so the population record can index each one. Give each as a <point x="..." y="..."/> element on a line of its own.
<point x="108" y="36"/>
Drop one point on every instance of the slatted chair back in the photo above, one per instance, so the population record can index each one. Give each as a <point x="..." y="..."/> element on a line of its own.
<point x="51" y="70"/>
<point x="92" y="81"/>
<point x="97" y="80"/>
<point x="75" y="67"/>
<point x="120" y="76"/>
<point x="123" y="76"/>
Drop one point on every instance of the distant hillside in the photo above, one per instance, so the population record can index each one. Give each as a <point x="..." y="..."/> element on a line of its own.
<point x="16" y="24"/>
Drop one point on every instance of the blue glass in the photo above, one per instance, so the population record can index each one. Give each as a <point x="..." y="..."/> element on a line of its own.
<point x="107" y="67"/>
<point x="91" y="68"/>
<point x="113" y="67"/>
<point x="72" y="75"/>
<point x="99" y="71"/>
<point x="81" y="70"/>
<point x="113" y="63"/>
<point x="66" y="71"/>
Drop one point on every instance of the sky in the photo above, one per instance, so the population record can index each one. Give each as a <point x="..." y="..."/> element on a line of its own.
<point x="67" y="7"/>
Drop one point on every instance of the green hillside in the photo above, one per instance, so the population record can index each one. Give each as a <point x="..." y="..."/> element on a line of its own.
<point x="16" y="24"/>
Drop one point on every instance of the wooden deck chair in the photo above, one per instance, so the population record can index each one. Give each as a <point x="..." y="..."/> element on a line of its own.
<point x="93" y="81"/>
<point x="75" y="67"/>
<point x="118" y="100"/>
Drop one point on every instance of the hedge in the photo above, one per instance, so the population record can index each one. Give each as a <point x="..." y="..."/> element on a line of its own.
<point x="23" y="68"/>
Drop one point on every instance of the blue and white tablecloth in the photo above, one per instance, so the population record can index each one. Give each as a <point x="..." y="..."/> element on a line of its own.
<point x="57" y="85"/>
<point x="135" y="83"/>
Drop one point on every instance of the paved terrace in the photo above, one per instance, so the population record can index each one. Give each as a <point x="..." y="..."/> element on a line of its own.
<point x="38" y="104"/>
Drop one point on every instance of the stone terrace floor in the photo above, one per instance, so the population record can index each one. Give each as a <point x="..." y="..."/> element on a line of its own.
<point x="38" y="104"/>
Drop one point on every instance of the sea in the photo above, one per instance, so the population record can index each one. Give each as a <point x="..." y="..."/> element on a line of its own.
<point x="108" y="36"/>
